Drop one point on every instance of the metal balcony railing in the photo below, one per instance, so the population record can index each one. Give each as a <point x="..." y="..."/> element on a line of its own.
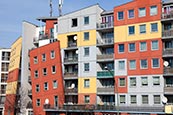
<point x="109" y="90"/>
<point x="70" y="74"/>
<point x="98" y="108"/>
<point x="105" y="56"/>
<point x="167" y="15"/>
<point x="168" y="52"/>
<point x="105" y="25"/>
<point x="71" y="91"/>
<point x="168" y="89"/>
<point x="167" y="33"/>
<point x="105" y="74"/>
<point x="168" y="71"/>
<point x="72" y="44"/>
<point x="70" y="59"/>
<point x="105" y="41"/>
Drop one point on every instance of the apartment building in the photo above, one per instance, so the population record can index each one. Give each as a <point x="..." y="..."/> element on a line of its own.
<point x="4" y="65"/>
<point x="167" y="40"/>
<point x="46" y="71"/>
<point x="11" y="102"/>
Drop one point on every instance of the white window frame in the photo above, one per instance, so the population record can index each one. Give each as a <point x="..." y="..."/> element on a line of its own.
<point x="55" y="84"/>
<point x="86" y="69"/>
<point x="37" y="88"/>
<point x="130" y="64"/>
<point x="152" y="48"/>
<point x="85" y="53"/>
<point x="35" y="60"/>
<point x="44" y="72"/>
<point x="86" y="83"/>
<point x="53" y="69"/>
<point x="88" y="20"/>
<point x="52" y="54"/>
<point x="145" y="101"/>
<point x="133" y="14"/>
<point x="46" y="87"/>
<point x="43" y="57"/>
<point x="122" y="82"/>
<point x="121" y="66"/>
<point x="133" y="101"/>
<point x="158" y="63"/>
<point x="156" y="82"/>
<point x="36" y="74"/>
<point x="131" y="82"/>
<point x="144" y="81"/>
<point x="142" y="32"/>
<point x="153" y="13"/>
<point x="134" y="47"/>
<point x="122" y="99"/>
<point x="129" y="30"/>
<point x="139" y="12"/>
<point x="156" y="30"/>
<point x="140" y="47"/>
<point x="118" y="15"/>
<point x="38" y="102"/>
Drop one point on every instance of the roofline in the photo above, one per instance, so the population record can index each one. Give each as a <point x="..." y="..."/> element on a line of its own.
<point x="123" y="4"/>
<point x="97" y="4"/>
<point x="47" y="18"/>
<point x="30" y="23"/>
<point x="16" y="40"/>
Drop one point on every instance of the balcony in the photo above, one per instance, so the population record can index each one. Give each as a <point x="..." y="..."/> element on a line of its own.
<point x="168" y="71"/>
<point x="105" y="74"/>
<point x="106" y="108"/>
<point x="166" y="34"/>
<point x="105" y="57"/>
<point x="71" y="60"/>
<point x="168" y="52"/>
<point x="30" y="92"/>
<point x="105" y="41"/>
<point x="168" y="89"/>
<point x="3" y="91"/>
<point x="70" y="75"/>
<point x="105" y="90"/>
<point x="166" y="17"/>
<point x="71" y="91"/>
<point x="103" y="26"/>
<point x="72" y="44"/>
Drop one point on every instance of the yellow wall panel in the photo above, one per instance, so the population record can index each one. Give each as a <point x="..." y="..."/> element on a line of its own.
<point x="15" y="54"/>
<point x="11" y="88"/>
<point x="91" y="89"/>
<point x="121" y="33"/>
<point x="63" y="38"/>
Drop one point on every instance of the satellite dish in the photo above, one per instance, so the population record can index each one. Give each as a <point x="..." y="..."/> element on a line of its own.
<point x="72" y="85"/>
<point x="46" y="101"/>
<point x="77" y="52"/>
<point x="166" y="63"/>
<point x="164" y="100"/>
<point x="75" y="38"/>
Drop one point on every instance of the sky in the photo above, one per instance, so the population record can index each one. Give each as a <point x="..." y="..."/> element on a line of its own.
<point x="14" y="12"/>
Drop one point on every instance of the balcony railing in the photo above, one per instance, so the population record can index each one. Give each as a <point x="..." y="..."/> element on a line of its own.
<point x="71" y="59"/>
<point x="109" y="90"/>
<point x="105" y="41"/>
<point x="2" y="91"/>
<point x="105" y="74"/>
<point x="167" y="33"/>
<point x="99" y="108"/>
<point x="167" y="16"/>
<point x="168" y="71"/>
<point x="168" y="89"/>
<point x="168" y="52"/>
<point x="72" y="44"/>
<point x="71" y="91"/>
<point x="105" y="57"/>
<point x="105" y="25"/>
<point x="70" y="74"/>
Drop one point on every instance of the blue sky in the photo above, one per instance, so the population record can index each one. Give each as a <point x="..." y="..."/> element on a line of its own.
<point x="13" y="12"/>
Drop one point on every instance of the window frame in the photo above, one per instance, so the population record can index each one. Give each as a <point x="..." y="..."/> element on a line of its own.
<point x="36" y="74"/>
<point x="133" y="84"/>
<point x="139" y="12"/>
<point x="86" y="83"/>
<point x="55" y="84"/>
<point x="118" y="17"/>
<point x="121" y="82"/>
<point x="142" y="32"/>
<point x="143" y="84"/>
<point x="154" y="81"/>
<point x="53" y="68"/>
<point x="129" y="47"/>
<point x="87" y="99"/>
<point x="151" y="26"/>
<point x="38" y="102"/>
<point x="152" y="62"/>
<point x="86" y="67"/>
<point x="52" y="54"/>
<point x="145" y="101"/>
<point x="122" y="99"/>
<point x="130" y="68"/>
<point x="86" y="36"/>
<point x="131" y="33"/>
<point x="153" y="47"/>
<point x="46" y="86"/>
<point x="37" y="88"/>
<point x="86" y="51"/>
<point x="153" y="14"/>
<point x="120" y="67"/>
<point x="86" y="19"/>
<point x="43" y="57"/>
<point x="35" y="59"/>
<point x="44" y="71"/>
<point x="156" y="102"/>
<point x="133" y="14"/>
<point x="140" y="47"/>
<point x="131" y="100"/>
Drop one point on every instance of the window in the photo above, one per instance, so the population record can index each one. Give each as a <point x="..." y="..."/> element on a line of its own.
<point x="131" y="30"/>
<point x="142" y="12"/>
<point x="156" y="99"/>
<point x="6" y="56"/>
<point x="43" y="57"/>
<point x="153" y="10"/>
<point x="52" y="54"/>
<point x="131" y="14"/>
<point x="144" y="64"/>
<point x="121" y="48"/>
<point x="133" y="81"/>
<point x="154" y="27"/>
<point x="86" y="51"/>
<point x="36" y="73"/>
<point x="45" y="86"/>
<point x="56" y="101"/>
<point x="37" y="88"/>
<point x="133" y="99"/>
<point x="155" y="63"/>
<point x="44" y="71"/>
<point x="53" y="69"/>
<point x="142" y="29"/>
<point x="132" y="64"/>
<point x="86" y="35"/>
<point x="74" y="22"/>
<point x="55" y="84"/>
<point x="86" y="67"/>
<point x="122" y="82"/>
<point x="5" y="66"/>
<point x="86" y="20"/>
<point x="38" y="103"/>
<point x="122" y="99"/>
<point x="144" y="81"/>
<point x="132" y="47"/>
<point x="144" y="99"/>
<point x="120" y="15"/>
<point x="35" y="60"/>
<point x="143" y="46"/>
<point x="87" y="98"/>
<point x="156" y="80"/>
<point x="86" y="83"/>
<point x="121" y="65"/>
<point x="155" y="45"/>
